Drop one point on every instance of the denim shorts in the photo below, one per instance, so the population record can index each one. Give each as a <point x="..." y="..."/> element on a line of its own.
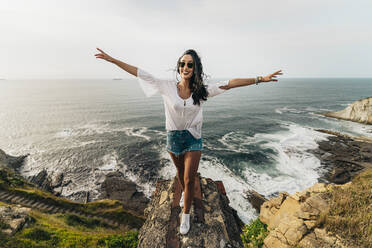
<point x="181" y="141"/>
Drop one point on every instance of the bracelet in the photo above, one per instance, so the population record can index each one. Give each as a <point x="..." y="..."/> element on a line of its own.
<point x="258" y="80"/>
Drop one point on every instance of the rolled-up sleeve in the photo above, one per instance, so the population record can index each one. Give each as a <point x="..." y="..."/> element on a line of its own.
<point x="214" y="88"/>
<point x="149" y="84"/>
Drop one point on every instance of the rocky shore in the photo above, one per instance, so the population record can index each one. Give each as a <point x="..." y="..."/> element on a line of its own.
<point x="342" y="157"/>
<point x="358" y="111"/>
<point x="297" y="220"/>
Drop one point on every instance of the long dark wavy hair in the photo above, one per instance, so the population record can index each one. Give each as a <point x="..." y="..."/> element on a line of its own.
<point x="196" y="85"/>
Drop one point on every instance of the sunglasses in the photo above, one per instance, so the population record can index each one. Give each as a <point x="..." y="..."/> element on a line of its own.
<point x="182" y="64"/>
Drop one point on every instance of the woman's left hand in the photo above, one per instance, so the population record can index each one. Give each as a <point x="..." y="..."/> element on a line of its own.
<point x="272" y="76"/>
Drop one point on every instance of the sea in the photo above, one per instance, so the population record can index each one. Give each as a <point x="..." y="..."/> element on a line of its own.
<point x="256" y="137"/>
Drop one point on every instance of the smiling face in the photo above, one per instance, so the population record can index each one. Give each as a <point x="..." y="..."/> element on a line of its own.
<point x="185" y="62"/>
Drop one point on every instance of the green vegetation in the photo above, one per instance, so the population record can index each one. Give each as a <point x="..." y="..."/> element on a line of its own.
<point x="75" y="220"/>
<point x="350" y="214"/>
<point x="62" y="231"/>
<point x="3" y="225"/>
<point x="130" y="240"/>
<point x="10" y="179"/>
<point x="254" y="234"/>
<point x="68" y="230"/>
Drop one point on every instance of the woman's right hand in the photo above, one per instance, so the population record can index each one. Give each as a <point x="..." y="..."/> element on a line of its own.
<point x="104" y="56"/>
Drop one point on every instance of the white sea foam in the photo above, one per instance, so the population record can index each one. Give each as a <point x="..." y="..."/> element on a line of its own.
<point x="67" y="132"/>
<point x="169" y="170"/>
<point x="236" y="140"/>
<point x="345" y="104"/>
<point x="110" y="162"/>
<point x="234" y="186"/>
<point x="295" y="165"/>
<point x="95" y="128"/>
<point x="138" y="132"/>
<point x="287" y="109"/>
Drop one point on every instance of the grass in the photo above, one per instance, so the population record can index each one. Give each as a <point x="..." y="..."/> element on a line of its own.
<point x="350" y="214"/>
<point x="11" y="181"/>
<point x="64" y="230"/>
<point x="68" y="230"/>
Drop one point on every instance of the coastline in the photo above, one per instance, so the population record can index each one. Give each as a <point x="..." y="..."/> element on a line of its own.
<point x="343" y="157"/>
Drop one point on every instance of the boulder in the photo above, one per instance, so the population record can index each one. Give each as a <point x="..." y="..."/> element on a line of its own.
<point x="255" y="199"/>
<point x="14" y="217"/>
<point x="117" y="187"/>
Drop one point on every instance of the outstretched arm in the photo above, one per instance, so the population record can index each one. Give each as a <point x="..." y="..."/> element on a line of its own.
<point x="126" y="67"/>
<point x="238" y="82"/>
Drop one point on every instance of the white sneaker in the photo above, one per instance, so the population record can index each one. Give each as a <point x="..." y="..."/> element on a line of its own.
<point x="185" y="223"/>
<point x="182" y="200"/>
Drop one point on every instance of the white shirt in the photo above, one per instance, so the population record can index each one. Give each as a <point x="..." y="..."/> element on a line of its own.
<point x="180" y="114"/>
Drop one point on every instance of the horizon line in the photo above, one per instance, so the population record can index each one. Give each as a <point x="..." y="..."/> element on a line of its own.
<point x="125" y="78"/>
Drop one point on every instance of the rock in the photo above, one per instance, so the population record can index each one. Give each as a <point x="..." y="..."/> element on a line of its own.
<point x="218" y="228"/>
<point x="11" y="162"/>
<point x="16" y="217"/>
<point x="78" y="196"/>
<point x="320" y="238"/>
<point x="359" y="111"/>
<point x="294" y="230"/>
<point x="270" y="208"/>
<point x="342" y="157"/>
<point x="116" y="187"/>
<point x="255" y="199"/>
<point x="57" y="180"/>
<point x="42" y="180"/>
<point x="276" y="240"/>
<point x="292" y="219"/>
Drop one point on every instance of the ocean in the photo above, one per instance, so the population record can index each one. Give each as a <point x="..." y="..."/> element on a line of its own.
<point x="255" y="137"/>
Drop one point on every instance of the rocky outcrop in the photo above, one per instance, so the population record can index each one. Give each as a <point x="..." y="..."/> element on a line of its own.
<point x="213" y="222"/>
<point x="13" y="218"/>
<point x="294" y="220"/>
<point x="11" y="162"/>
<point x="343" y="157"/>
<point x="255" y="199"/>
<point x="116" y="187"/>
<point x="358" y="111"/>
<point x="42" y="180"/>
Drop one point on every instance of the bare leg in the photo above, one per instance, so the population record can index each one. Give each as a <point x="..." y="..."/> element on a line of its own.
<point x="180" y="165"/>
<point x="191" y="159"/>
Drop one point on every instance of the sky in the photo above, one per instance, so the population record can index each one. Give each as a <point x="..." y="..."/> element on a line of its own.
<point x="237" y="38"/>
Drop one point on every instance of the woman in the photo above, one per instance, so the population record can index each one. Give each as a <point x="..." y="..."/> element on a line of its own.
<point x="183" y="111"/>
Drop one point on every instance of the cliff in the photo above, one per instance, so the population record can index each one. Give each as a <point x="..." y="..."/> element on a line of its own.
<point x="358" y="111"/>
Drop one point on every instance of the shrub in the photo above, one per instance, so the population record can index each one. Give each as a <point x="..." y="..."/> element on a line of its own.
<point x="37" y="234"/>
<point x="3" y="225"/>
<point x="254" y="234"/>
<point x="129" y="240"/>
<point x="74" y="220"/>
